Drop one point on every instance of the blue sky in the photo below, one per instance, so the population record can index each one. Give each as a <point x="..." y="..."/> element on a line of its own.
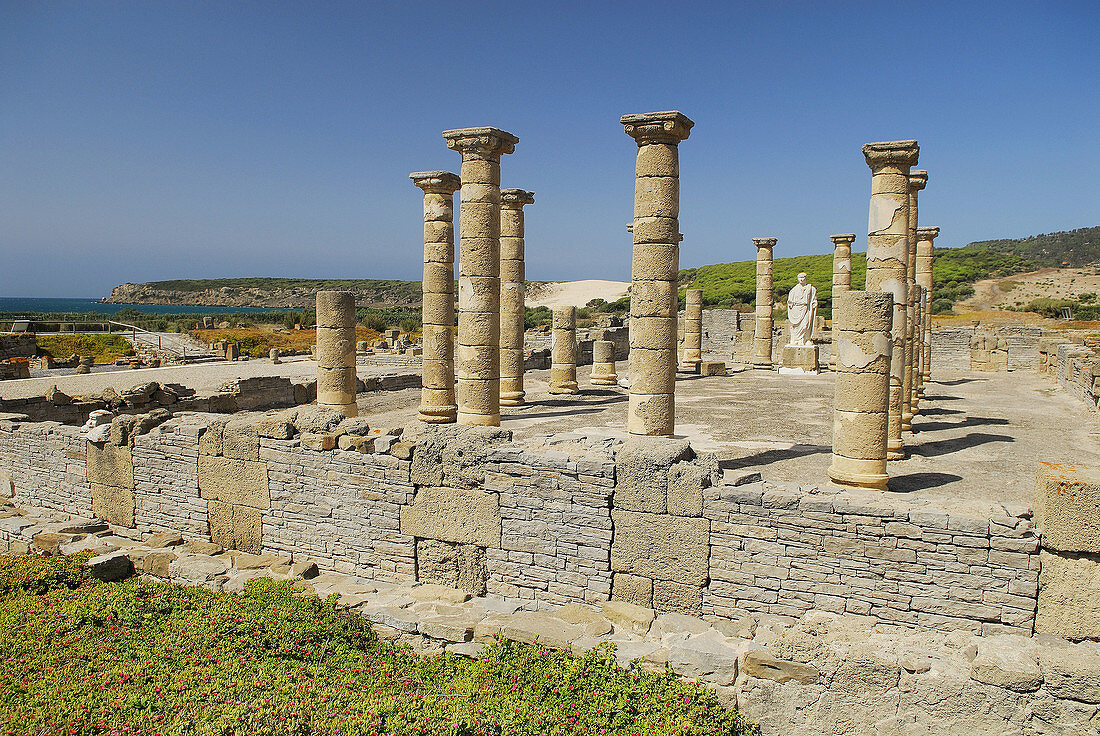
<point x="144" y="141"/>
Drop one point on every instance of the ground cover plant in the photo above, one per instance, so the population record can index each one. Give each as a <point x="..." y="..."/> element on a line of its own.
<point x="105" y="348"/>
<point x="256" y="342"/>
<point x="83" y="657"/>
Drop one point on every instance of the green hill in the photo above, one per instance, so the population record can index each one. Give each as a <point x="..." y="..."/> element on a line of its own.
<point x="955" y="269"/>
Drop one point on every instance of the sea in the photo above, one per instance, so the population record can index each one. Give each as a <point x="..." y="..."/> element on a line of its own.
<point x="21" y="306"/>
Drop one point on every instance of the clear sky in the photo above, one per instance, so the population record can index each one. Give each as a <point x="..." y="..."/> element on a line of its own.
<point x="156" y="140"/>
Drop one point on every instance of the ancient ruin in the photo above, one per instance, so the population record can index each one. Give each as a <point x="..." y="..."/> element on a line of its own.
<point x="512" y="277"/>
<point x="917" y="181"/>
<point x="925" y="259"/>
<point x="336" y="351"/>
<point x="563" y="351"/>
<point x="693" y="331"/>
<point x="765" y="297"/>
<point x="603" y="362"/>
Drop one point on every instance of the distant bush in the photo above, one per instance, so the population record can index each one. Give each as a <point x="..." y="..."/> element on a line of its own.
<point x="105" y="348"/>
<point x="374" y="321"/>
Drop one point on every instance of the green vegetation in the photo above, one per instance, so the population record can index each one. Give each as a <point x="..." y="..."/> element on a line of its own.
<point x="135" y="657"/>
<point x="105" y="348"/>
<point x="1069" y="248"/>
<point x="385" y="291"/>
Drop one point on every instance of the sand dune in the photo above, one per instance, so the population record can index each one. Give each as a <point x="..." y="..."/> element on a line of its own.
<point x="575" y="293"/>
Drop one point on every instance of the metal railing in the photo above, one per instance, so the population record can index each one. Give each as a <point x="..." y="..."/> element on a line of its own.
<point x="95" y="327"/>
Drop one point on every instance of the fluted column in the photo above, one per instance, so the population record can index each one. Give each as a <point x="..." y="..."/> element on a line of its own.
<point x="563" y="351"/>
<point x="861" y="325"/>
<point x="842" y="262"/>
<point x="336" y="351"/>
<point x="917" y="180"/>
<point x="925" y="260"/>
<point x="477" y="358"/>
<point x="693" y="331"/>
<point x="437" y="395"/>
<point x="765" y="303"/>
<point x="512" y="276"/>
<point x="887" y="257"/>
<point x="654" y="270"/>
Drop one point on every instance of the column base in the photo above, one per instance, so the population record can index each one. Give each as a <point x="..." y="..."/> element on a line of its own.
<point x="689" y="366"/>
<point x="348" y="410"/>
<point x="895" y="451"/>
<point x="513" y="398"/>
<point x="845" y="479"/>
<point x="478" y="420"/>
<point x="604" y="380"/>
<point x="765" y="363"/>
<point x="565" y="388"/>
<point x="438" y="414"/>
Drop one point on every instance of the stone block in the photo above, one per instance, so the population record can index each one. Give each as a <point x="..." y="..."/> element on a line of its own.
<point x="642" y="471"/>
<point x="239" y="482"/>
<point x="707" y="658"/>
<point x="800" y="359"/>
<point x="686" y="482"/>
<point x="661" y="547"/>
<point x="712" y="368"/>
<point x="462" y="515"/>
<point x="632" y="589"/>
<point x="235" y="527"/>
<point x="110" y="465"/>
<point x="1007" y="661"/>
<point x="210" y="440"/>
<point x="628" y="616"/>
<point x="1069" y="595"/>
<point x="112" y="504"/>
<point x="1067" y="507"/>
<point x="763" y="664"/>
<point x="459" y="566"/>
<point x="111" y="567"/>
<point x="240" y="440"/>
<point x="671" y="596"/>
<point x="1071" y="672"/>
<point x="543" y="628"/>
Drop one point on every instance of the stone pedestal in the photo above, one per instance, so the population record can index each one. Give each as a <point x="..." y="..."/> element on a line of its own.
<point x="603" y="363"/>
<point x="887" y="258"/>
<point x="654" y="270"/>
<point x="925" y="259"/>
<point x="917" y="181"/>
<point x="799" y="360"/>
<point x="693" y="331"/>
<point x="765" y="302"/>
<point x="437" y="395"/>
<point x="512" y="276"/>
<point x="336" y="351"/>
<point x="477" y="358"/>
<point x="563" y="351"/>
<point x="861" y="328"/>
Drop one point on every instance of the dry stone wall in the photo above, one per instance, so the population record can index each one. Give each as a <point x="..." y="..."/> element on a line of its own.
<point x="1077" y="369"/>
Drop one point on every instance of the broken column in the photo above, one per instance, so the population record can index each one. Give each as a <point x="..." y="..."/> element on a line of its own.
<point x="603" y="361"/>
<point x="842" y="262"/>
<point x="925" y="259"/>
<point x="654" y="270"/>
<point x="563" y="351"/>
<point x="861" y="325"/>
<point x="512" y="275"/>
<point x="437" y="395"/>
<point x="693" y="331"/>
<point x="477" y="358"/>
<point x="336" y="351"/>
<point x="887" y="257"/>
<point x="917" y="181"/>
<point x="765" y="298"/>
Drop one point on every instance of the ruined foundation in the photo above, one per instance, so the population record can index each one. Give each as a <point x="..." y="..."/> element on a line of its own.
<point x="603" y="364"/>
<point x="336" y="351"/>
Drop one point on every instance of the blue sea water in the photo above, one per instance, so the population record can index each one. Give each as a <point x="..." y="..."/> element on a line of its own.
<point x="27" y="306"/>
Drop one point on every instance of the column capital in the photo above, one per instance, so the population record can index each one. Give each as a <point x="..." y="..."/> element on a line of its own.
<point x="514" y="199"/>
<point x="764" y="242"/>
<point x="669" y="126"/>
<point x="843" y="239"/>
<point x="927" y="233"/>
<point x="891" y="153"/>
<point x="487" y="142"/>
<point x="918" y="178"/>
<point x="436" y="182"/>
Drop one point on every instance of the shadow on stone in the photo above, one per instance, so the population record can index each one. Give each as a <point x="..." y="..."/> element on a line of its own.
<point x="938" y="410"/>
<point x="942" y="447"/>
<point x="958" y="381"/>
<point x="968" y="422"/>
<point x="773" y="456"/>
<point x="921" y="481"/>
<point x="589" y="407"/>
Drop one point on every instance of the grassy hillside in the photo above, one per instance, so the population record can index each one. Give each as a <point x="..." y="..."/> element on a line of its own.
<point x="955" y="269"/>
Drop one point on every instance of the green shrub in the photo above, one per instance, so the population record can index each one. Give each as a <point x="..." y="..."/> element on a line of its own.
<point x="374" y="321"/>
<point x="34" y="574"/>
<point x="410" y="324"/>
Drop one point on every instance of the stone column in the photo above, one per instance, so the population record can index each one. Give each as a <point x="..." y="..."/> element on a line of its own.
<point x="842" y="263"/>
<point x="765" y="300"/>
<point x="887" y="256"/>
<point x="336" y="351"/>
<point x="654" y="270"/>
<point x="693" y="331"/>
<point x="603" y="361"/>
<point x="861" y="324"/>
<point x="477" y="358"/>
<point x="512" y="276"/>
<point x="918" y="350"/>
<point x="437" y="396"/>
<point x="917" y="180"/>
<point x="563" y="351"/>
<point x="925" y="260"/>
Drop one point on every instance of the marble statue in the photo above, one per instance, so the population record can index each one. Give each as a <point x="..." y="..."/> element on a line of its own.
<point x="802" y="312"/>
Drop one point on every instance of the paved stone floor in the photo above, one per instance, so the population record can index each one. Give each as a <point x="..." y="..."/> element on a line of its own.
<point x="979" y="438"/>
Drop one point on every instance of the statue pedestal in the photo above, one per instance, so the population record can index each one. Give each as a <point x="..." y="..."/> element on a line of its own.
<point x="799" y="360"/>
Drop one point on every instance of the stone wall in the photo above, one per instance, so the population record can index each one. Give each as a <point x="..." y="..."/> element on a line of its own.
<point x="1077" y="369"/>
<point x="951" y="347"/>
<point x="721" y="330"/>
<point x="649" y="522"/>
<point x="17" y="346"/>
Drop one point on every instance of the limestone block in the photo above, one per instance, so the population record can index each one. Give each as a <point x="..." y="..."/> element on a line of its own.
<point x="335" y="386"/>
<point x="1071" y="672"/>
<point x="660" y="546"/>
<point x="234" y="481"/>
<point x="1069" y="595"/>
<point x="235" y="527"/>
<point x="476" y="361"/>
<point x="438" y="341"/>
<point x="661" y="231"/>
<point x="654" y="333"/>
<point x="477" y="397"/>
<point x="869" y="313"/>
<point x="859" y="435"/>
<point x="575" y="613"/>
<point x="712" y="368"/>
<point x="439" y="278"/>
<point x="479" y="328"/>
<point x="670" y="596"/>
<point x="454" y="565"/>
<point x="653" y="299"/>
<point x="479" y="170"/>
<point x="705" y="657"/>
<point x="335" y="347"/>
<point x="480" y="220"/>
<point x="686" y="482"/>
<point x="656" y="196"/>
<point x="642" y="468"/>
<point x="1007" y="661"/>
<point x="658" y="159"/>
<point x="763" y="664"/>
<point x="651" y="414"/>
<point x="632" y="589"/>
<point x="241" y="440"/>
<point x="460" y="515"/>
<point x="543" y="628"/>
<point x="859" y="393"/>
<point x="478" y="293"/>
<point x="113" y="504"/>
<point x="800" y="358"/>
<point x="110" y="567"/>
<point x="110" y="465"/>
<point x="1067" y="507"/>
<point x="652" y="371"/>
<point x="336" y="309"/>
<point x="629" y="616"/>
